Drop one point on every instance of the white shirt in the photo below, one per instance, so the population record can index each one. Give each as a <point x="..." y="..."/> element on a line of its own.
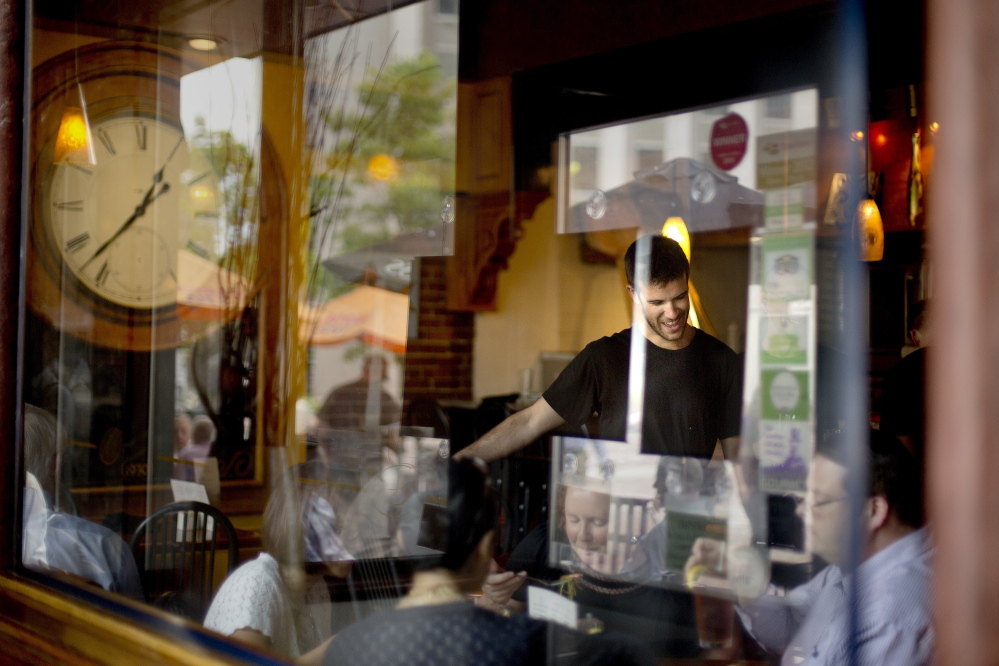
<point x="256" y="597"/>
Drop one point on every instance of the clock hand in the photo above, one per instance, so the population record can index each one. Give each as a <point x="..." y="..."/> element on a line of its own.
<point x="140" y="210"/>
<point x="157" y="179"/>
<point x="158" y="176"/>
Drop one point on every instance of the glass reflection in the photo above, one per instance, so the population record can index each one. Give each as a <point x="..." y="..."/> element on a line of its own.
<point x="221" y="364"/>
<point x="220" y="386"/>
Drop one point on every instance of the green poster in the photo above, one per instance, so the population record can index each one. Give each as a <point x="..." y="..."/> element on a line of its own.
<point x="787" y="266"/>
<point x="783" y="340"/>
<point x="784" y="394"/>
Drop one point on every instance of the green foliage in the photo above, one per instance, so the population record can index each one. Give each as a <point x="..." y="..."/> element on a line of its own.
<point x="405" y="112"/>
<point x="235" y="170"/>
<point x="409" y="99"/>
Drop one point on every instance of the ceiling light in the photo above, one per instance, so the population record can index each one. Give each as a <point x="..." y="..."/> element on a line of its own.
<point x="202" y="43"/>
<point x="870" y="231"/>
<point x="675" y="228"/>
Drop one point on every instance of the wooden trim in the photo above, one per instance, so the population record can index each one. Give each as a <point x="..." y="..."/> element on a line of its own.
<point x="963" y="386"/>
<point x="66" y="631"/>
<point x="12" y="50"/>
<point x="28" y="648"/>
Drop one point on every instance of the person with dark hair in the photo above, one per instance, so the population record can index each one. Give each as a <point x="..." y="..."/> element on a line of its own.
<point x="358" y="427"/>
<point x="363" y="404"/>
<point x="892" y="583"/>
<point x="693" y="382"/>
<point x="58" y="541"/>
<point x="197" y="449"/>
<point x="435" y="623"/>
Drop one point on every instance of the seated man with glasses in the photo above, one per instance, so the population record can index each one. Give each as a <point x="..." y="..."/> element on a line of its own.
<point x="810" y="625"/>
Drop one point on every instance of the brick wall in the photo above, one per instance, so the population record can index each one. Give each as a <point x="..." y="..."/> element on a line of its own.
<point x="439" y="361"/>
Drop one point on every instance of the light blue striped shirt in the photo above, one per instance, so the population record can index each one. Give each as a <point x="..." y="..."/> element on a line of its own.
<point x="894" y="624"/>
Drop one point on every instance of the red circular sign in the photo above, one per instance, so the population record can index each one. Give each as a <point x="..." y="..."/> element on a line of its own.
<point x="729" y="136"/>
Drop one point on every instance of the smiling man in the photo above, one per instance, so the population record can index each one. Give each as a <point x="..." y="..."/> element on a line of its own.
<point x="693" y="382"/>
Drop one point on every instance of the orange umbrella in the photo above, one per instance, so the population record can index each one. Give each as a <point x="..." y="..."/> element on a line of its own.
<point x="376" y="317"/>
<point x="206" y="291"/>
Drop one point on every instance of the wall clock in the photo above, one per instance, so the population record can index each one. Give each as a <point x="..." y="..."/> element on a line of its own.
<point x="105" y="238"/>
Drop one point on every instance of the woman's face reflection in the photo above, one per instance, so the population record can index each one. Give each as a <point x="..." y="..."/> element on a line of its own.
<point x="586" y="517"/>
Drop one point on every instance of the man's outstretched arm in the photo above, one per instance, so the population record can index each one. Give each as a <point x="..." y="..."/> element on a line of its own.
<point x="514" y="433"/>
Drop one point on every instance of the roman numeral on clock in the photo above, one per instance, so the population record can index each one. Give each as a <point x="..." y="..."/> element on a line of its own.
<point x="77" y="242"/>
<point x="105" y="138"/>
<point x="74" y="206"/>
<point x="102" y="275"/>
<point x="140" y="136"/>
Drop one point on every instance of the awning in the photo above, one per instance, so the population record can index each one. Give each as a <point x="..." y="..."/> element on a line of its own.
<point x="376" y="317"/>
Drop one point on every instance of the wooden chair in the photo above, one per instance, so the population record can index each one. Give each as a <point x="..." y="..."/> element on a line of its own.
<point x="628" y="521"/>
<point x="175" y="548"/>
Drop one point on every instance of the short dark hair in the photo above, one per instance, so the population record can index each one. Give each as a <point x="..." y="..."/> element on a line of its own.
<point x="892" y="472"/>
<point x="202" y="430"/>
<point x="667" y="262"/>
<point x="472" y="510"/>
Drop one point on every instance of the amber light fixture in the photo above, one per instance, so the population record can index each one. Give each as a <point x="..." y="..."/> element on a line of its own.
<point x="74" y="143"/>
<point x="870" y="231"/>
<point x="383" y="167"/>
<point x="676" y="229"/>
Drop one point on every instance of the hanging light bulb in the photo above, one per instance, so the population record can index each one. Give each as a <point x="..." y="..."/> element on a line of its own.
<point x="74" y="143"/>
<point x="870" y="231"/>
<point x="383" y="167"/>
<point x="676" y="229"/>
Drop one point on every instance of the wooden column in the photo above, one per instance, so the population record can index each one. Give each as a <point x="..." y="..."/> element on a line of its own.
<point x="963" y="223"/>
<point x="282" y="228"/>
<point x="11" y="136"/>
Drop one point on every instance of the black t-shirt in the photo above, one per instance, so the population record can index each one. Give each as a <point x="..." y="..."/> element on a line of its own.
<point x="460" y="634"/>
<point x="693" y="396"/>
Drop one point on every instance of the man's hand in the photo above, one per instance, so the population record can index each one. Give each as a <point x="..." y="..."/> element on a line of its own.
<point x="706" y="553"/>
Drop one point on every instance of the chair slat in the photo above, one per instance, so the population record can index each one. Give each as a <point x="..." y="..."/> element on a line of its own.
<point x="184" y="566"/>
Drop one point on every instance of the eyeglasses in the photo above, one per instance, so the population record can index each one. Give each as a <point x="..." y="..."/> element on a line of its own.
<point x="799" y="501"/>
<point x="816" y="505"/>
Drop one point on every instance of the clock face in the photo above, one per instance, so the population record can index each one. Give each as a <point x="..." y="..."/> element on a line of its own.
<point x="119" y="224"/>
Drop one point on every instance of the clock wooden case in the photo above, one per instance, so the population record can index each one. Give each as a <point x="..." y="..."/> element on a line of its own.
<point x="104" y="238"/>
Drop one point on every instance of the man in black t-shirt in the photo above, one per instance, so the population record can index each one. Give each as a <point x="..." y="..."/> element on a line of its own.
<point x="693" y="382"/>
<point x="692" y="395"/>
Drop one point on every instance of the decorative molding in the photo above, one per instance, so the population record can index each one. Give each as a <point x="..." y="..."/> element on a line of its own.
<point x="59" y="629"/>
<point x="485" y="237"/>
